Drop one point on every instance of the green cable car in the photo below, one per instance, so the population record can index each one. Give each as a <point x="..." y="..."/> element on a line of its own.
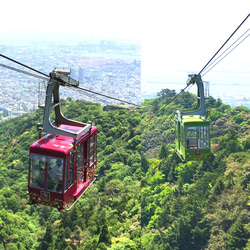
<point x="192" y="128"/>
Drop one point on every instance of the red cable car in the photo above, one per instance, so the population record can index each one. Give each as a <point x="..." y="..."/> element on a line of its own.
<point x="61" y="171"/>
<point x="62" y="163"/>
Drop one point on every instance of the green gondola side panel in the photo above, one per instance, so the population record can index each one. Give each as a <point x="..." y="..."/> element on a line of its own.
<point x="192" y="138"/>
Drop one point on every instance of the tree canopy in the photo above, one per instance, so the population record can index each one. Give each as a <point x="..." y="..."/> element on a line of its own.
<point x="195" y="205"/>
<point x="146" y="198"/>
<point x="105" y="216"/>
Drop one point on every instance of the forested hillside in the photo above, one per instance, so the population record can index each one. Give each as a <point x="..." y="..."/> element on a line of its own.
<point x="107" y="216"/>
<point x="195" y="205"/>
<point x="146" y="198"/>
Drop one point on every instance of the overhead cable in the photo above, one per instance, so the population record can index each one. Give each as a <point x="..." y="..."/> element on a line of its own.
<point x="107" y="96"/>
<point x="89" y="95"/>
<point x="226" y="55"/>
<point x="208" y="64"/>
<point x="223" y="45"/>
<point x="79" y="88"/>
<point x="23" y="72"/>
<point x="10" y="59"/>
<point x="179" y="94"/>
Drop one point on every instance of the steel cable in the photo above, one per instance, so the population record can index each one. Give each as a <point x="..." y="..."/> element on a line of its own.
<point x="89" y="95"/>
<point x="12" y="60"/>
<point x="223" y="45"/>
<point x="107" y="96"/>
<point x="79" y="88"/>
<point x="225" y="55"/>
<point x="208" y="64"/>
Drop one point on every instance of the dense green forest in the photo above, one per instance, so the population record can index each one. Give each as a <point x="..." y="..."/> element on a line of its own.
<point x="146" y="198"/>
<point x="107" y="216"/>
<point x="195" y="205"/>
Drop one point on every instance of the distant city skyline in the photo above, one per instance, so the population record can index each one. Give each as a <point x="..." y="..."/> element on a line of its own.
<point x="177" y="37"/>
<point x="114" y="73"/>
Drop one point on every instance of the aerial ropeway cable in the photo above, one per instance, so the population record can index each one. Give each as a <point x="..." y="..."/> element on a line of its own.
<point x="47" y="77"/>
<point x="207" y="64"/>
<point x="116" y="99"/>
<point x="23" y="72"/>
<point x="91" y="96"/>
<point x="212" y="61"/>
<point x="12" y="60"/>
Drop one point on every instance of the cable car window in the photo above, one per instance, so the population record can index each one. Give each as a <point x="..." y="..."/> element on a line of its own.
<point x="198" y="135"/>
<point x="54" y="174"/>
<point x="71" y="169"/>
<point x="181" y="134"/>
<point x="80" y="155"/>
<point x="86" y="162"/>
<point x="95" y="148"/>
<point x="201" y="137"/>
<point x="176" y="130"/>
<point x="80" y="159"/>
<point x="203" y="140"/>
<point x="66" y="175"/>
<point x="37" y="171"/>
<point x="191" y="137"/>
<point x="92" y="150"/>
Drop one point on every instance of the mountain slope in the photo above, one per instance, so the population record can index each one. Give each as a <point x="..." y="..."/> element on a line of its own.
<point x="107" y="215"/>
<point x="195" y="205"/>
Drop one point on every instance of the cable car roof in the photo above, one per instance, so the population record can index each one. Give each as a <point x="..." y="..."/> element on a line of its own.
<point x="196" y="120"/>
<point x="62" y="145"/>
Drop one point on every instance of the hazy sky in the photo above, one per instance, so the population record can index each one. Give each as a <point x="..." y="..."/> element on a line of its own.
<point x="109" y="18"/>
<point x="184" y="35"/>
<point x="177" y="37"/>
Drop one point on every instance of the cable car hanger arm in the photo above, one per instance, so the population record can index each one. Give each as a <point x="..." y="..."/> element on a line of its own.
<point x="57" y="77"/>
